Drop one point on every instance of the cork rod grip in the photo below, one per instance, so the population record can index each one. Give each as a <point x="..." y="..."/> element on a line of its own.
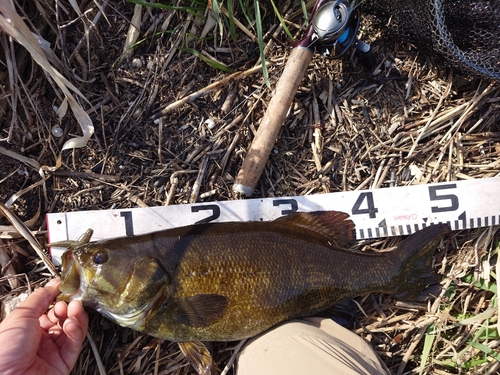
<point x="258" y="153"/>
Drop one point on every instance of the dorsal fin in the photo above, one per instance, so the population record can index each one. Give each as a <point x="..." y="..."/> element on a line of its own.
<point x="335" y="225"/>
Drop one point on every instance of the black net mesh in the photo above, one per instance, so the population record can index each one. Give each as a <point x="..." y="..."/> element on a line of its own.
<point x="466" y="33"/>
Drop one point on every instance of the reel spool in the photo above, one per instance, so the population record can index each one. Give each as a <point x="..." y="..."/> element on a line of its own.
<point x="334" y="26"/>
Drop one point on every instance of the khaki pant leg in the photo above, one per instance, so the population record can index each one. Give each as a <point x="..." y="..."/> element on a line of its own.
<point x="309" y="346"/>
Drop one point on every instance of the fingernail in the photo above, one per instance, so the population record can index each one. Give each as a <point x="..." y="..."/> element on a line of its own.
<point x="53" y="282"/>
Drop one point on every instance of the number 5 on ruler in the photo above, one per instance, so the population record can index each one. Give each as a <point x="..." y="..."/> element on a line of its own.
<point x="433" y="194"/>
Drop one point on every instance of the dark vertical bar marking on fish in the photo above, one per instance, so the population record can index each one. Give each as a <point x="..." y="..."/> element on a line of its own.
<point x="471" y="223"/>
<point x="377" y="231"/>
<point x="401" y="231"/>
<point x="416" y="227"/>
<point x="370" y="234"/>
<point x="486" y="221"/>
<point x="393" y="230"/>
<point x="479" y="222"/>
<point x="408" y="228"/>
<point x="361" y="234"/>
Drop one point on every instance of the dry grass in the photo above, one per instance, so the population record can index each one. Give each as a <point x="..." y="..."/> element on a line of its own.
<point x="407" y="122"/>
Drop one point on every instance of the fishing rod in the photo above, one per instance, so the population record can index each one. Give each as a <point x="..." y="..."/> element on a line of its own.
<point x="332" y="31"/>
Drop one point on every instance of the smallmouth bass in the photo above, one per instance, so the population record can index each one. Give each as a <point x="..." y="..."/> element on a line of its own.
<point x="229" y="281"/>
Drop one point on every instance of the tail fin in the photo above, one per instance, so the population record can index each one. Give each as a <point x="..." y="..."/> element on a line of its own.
<point x="415" y="253"/>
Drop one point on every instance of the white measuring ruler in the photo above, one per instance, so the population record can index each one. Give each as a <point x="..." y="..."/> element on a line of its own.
<point x="376" y="213"/>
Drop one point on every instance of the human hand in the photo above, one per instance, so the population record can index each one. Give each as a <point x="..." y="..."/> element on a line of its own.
<point x="35" y="342"/>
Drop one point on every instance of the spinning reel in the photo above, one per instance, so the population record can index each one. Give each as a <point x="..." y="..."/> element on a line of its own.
<point x="334" y="27"/>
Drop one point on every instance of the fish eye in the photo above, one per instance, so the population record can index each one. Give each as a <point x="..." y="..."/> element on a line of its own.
<point x="100" y="258"/>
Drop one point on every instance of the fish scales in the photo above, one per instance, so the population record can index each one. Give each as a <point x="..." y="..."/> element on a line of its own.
<point x="220" y="282"/>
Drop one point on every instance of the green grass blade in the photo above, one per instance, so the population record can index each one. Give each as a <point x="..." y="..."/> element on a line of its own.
<point x="258" y="25"/>
<point x="486" y="350"/>
<point x="282" y="21"/>
<point x="217" y="16"/>
<point x="232" y="27"/>
<point x="245" y="5"/>
<point x="482" y="284"/>
<point x="163" y="6"/>
<point x="486" y="314"/>
<point x="428" y="343"/>
<point x="212" y="63"/>
<point x="304" y="11"/>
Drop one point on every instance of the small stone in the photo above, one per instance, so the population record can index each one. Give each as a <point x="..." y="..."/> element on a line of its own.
<point x="57" y="131"/>
<point x="210" y="123"/>
<point x="136" y="62"/>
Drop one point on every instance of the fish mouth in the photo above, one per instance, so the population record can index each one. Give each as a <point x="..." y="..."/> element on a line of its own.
<point x="72" y="281"/>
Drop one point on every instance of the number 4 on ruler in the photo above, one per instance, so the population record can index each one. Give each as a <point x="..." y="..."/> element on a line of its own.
<point x="370" y="209"/>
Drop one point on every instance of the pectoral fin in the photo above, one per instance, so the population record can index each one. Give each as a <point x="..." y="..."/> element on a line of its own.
<point x="199" y="311"/>
<point x="198" y="356"/>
